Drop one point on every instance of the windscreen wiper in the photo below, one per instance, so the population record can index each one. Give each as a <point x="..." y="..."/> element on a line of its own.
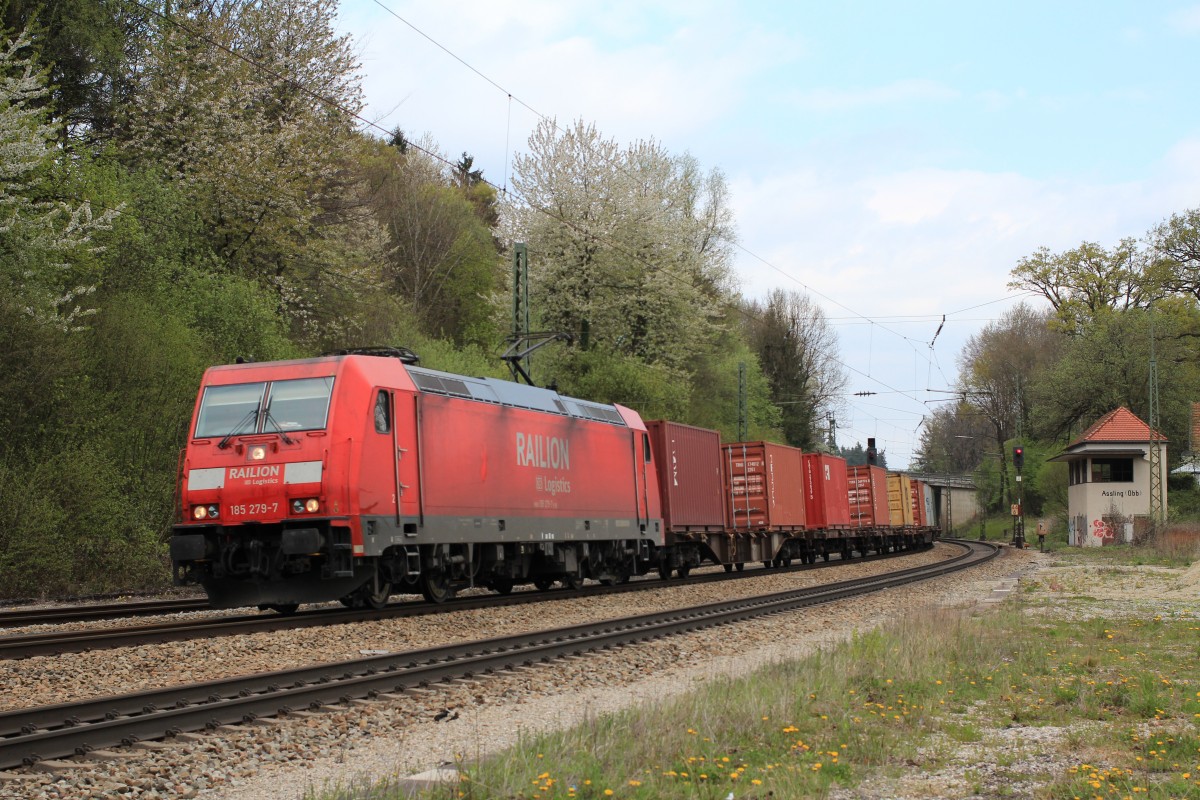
<point x="250" y="415"/>
<point x="282" y="434"/>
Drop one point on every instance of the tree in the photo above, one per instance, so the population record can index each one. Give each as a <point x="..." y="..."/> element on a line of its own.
<point x="857" y="456"/>
<point x="623" y="244"/>
<point x="441" y="258"/>
<point x="44" y="242"/>
<point x="91" y="48"/>
<point x="798" y="352"/>
<point x="1177" y="243"/>
<point x="954" y="439"/>
<point x="996" y="368"/>
<point x="1084" y="282"/>
<point x="1109" y="367"/>
<point x="248" y="105"/>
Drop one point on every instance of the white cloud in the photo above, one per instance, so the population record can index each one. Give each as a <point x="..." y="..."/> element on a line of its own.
<point x="904" y="91"/>
<point x="1185" y="20"/>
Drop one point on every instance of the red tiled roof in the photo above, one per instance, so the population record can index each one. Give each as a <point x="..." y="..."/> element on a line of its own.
<point x="1121" y="425"/>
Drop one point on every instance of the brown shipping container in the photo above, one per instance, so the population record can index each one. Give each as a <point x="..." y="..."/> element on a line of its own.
<point x="688" y="462"/>
<point x="764" y="486"/>
<point x="826" y="494"/>
<point x="868" y="496"/>
<point x="899" y="500"/>
<point x="920" y="518"/>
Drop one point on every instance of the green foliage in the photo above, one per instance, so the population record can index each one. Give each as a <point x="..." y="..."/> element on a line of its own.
<point x="857" y="455"/>
<point x="714" y="402"/>
<point x="1109" y="367"/>
<point x="653" y="390"/>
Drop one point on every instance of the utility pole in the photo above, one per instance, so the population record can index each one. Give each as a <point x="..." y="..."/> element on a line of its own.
<point x="743" y="415"/>
<point x="1156" y="486"/>
<point x="520" y="299"/>
<point x="1018" y="539"/>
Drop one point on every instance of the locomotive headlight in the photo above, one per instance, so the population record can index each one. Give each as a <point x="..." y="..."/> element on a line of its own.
<point x="256" y="453"/>
<point x="309" y="505"/>
<point x="206" y="512"/>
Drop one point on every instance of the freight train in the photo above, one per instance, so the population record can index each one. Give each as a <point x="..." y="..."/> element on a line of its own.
<point x="358" y="475"/>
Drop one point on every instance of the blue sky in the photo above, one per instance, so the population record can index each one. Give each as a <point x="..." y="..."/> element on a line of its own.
<point x="893" y="159"/>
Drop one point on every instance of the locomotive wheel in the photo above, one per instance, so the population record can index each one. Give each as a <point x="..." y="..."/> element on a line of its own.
<point x="503" y="585"/>
<point x="373" y="599"/>
<point x="543" y="583"/>
<point x="435" y="587"/>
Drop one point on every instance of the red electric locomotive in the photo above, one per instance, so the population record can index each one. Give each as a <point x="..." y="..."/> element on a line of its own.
<point x="358" y="475"/>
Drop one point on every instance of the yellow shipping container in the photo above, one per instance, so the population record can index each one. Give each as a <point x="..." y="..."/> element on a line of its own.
<point x="900" y="512"/>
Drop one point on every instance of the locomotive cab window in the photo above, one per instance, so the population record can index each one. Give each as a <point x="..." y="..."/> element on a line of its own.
<point x="383" y="414"/>
<point x="230" y="409"/>
<point x="299" y="405"/>
<point x="293" y="405"/>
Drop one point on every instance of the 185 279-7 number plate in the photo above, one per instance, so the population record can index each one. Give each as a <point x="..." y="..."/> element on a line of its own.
<point x="253" y="509"/>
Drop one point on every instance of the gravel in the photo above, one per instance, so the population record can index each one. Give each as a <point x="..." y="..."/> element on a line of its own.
<point x="394" y="738"/>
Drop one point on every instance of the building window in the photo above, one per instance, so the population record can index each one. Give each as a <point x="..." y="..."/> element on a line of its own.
<point x="1112" y="470"/>
<point x="1077" y="472"/>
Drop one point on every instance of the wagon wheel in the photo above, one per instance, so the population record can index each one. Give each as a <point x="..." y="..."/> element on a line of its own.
<point x="728" y="567"/>
<point x="435" y="587"/>
<point x="683" y="570"/>
<point x="664" y="570"/>
<point x="543" y="583"/>
<point x="740" y="566"/>
<point x="572" y="581"/>
<point x="503" y="585"/>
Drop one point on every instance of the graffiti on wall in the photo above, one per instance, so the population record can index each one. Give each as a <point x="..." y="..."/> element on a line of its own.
<point x="1103" y="532"/>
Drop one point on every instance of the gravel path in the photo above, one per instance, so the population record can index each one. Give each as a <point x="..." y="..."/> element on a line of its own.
<point x="284" y="759"/>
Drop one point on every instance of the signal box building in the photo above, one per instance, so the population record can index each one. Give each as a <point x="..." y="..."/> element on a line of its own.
<point x="1108" y="470"/>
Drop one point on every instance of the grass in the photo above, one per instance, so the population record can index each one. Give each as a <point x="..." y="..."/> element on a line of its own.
<point x="1120" y="696"/>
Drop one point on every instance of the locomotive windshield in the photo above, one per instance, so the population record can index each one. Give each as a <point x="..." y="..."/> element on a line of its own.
<point x="295" y="405"/>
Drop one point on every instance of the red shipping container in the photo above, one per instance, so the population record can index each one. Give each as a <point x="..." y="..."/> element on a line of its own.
<point x="920" y="518"/>
<point x="826" y="491"/>
<point x="764" y="486"/>
<point x="688" y="462"/>
<point x="868" y="496"/>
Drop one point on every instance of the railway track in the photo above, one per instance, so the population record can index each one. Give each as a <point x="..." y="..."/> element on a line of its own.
<point x="98" y="611"/>
<point x="31" y="735"/>
<point x="57" y="642"/>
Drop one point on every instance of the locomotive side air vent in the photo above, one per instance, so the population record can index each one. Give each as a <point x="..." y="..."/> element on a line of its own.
<point x="427" y="383"/>
<point x="452" y="386"/>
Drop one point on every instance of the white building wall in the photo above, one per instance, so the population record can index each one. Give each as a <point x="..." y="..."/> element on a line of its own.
<point x="1093" y="507"/>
